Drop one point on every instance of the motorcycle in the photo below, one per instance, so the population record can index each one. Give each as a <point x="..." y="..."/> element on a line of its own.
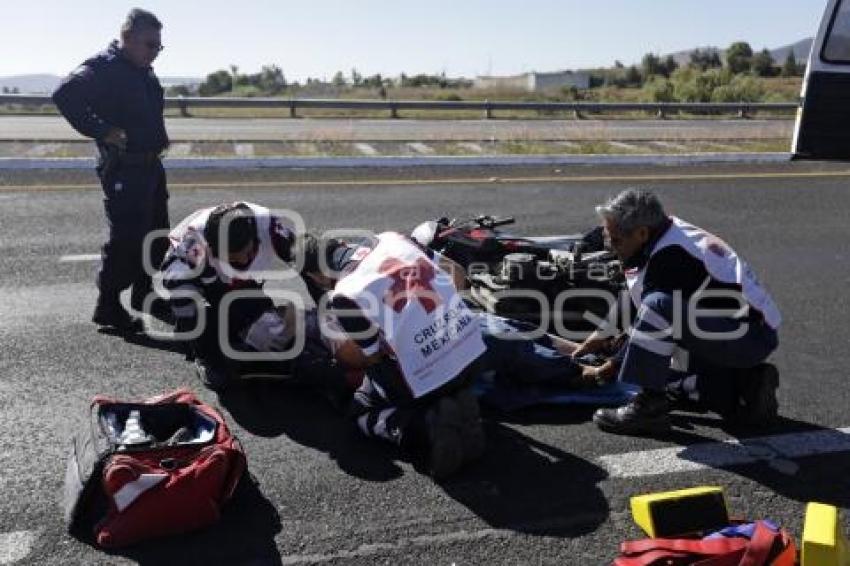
<point x="552" y="281"/>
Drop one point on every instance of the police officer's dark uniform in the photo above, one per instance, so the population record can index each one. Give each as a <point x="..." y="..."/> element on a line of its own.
<point x="108" y="91"/>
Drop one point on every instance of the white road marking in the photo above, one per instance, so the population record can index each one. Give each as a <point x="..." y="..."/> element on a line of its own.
<point x="43" y="150"/>
<point x="365" y="149"/>
<point x="375" y="549"/>
<point x="16" y="545"/>
<point x="79" y="257"/>
<point x="723" y="146"/>
<point x="623" y="146"/>
<point x="421" y="148"/>
<point x="471" y="147"/>
<point x="777" y="451"/>
<point x="669" y="145"/>
<point x="244" y="149"/>
<point x="180" y="150"/>
<point x="307" y="161"/>
<point x="410" y="545"/>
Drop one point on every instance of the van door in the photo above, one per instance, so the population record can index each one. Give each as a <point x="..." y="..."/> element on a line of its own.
<point x="822" y="130"/>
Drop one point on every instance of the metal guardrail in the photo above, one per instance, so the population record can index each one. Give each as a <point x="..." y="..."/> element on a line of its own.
<point x="658" y="109"/>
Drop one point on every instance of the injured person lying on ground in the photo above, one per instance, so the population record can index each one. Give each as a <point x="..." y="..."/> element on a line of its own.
<point x="393" y="311"/>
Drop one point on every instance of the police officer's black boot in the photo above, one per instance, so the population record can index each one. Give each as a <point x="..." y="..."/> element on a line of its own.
<point x="158" y="308"/>
<point x="108" y="312"/>
<point x="647" y="412"/>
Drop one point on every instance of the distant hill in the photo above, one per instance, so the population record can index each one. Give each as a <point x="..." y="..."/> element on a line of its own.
<point x="684" y="57"/>
<point x="36" y="84"/>
<point x="801" y="52"/>
<point x="44" y="83"/>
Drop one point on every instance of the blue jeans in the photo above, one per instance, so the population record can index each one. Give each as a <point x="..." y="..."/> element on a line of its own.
<point x="654" y="337"/>
<point x="522" y="360"/>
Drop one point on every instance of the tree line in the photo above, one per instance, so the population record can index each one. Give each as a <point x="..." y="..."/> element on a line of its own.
<point x="271" y="81"/>
<point x="739" y="59"/>
<point x="707" y="76"/>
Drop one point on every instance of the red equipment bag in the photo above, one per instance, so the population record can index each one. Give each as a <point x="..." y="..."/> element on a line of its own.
<point x="766" y="547"/>
<point x="160" y="467"/>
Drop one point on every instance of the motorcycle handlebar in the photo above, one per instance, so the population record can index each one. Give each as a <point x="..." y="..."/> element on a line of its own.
<point x="488" y="221"/>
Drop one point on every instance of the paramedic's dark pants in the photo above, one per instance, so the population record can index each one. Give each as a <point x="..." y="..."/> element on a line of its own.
<point x="383" y="408"/>
<point x="135" y="202"/>
<point x="518" y="359"/>
<point x="655" y="335"/>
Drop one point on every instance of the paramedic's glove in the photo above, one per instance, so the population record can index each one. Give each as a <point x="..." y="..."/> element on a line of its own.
<point x="268" y="333"/>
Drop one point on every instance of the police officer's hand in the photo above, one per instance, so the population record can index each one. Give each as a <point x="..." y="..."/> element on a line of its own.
<point x="116" y="137"/>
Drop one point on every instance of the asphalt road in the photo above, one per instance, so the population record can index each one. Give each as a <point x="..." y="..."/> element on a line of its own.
<point x="544" y="493"/>
<point x="53" y="128"/>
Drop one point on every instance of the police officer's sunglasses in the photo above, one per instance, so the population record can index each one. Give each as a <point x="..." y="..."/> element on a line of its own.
<point x="154" y="46"/>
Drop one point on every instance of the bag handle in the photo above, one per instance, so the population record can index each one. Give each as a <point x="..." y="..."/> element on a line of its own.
<point x="656" y="558"/>
<point x="760" y="546"/>
<point x="692" y="546"/>
<point x="237" y="470"/>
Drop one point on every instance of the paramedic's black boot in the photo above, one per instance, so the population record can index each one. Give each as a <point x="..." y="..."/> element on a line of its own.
<point x="757" y="404"/>
<point x="454" y="434"/>
<point x="110" y="313"/>
<point x="647" y="412"/>
<point x="443" y="423"/>
<point x="472" y="431"/>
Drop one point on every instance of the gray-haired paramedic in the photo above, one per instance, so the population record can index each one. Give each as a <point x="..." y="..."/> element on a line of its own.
<point x="693" y="293"/>
<point x="115" y="99"/>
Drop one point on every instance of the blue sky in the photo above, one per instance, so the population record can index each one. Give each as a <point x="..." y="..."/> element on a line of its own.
<point x="461" y="37"/>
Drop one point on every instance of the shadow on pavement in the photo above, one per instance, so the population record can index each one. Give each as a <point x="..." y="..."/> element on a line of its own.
<point x="544" y="415"/>
<point x="273" y="409"/>
<point x="527" y="486"/>
<point x="244" y="535"/>
<point x="146" y="341"/>
<point x="815" y="477"/>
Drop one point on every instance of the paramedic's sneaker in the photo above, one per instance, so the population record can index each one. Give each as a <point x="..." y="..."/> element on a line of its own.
<point x="110" y="314"/>
<point x="471" y="432"/>
<point x="443" y="423"/>
<point x="647" y="412"/>
<point x="758" y="404"/>
<point x="211" y="376"/>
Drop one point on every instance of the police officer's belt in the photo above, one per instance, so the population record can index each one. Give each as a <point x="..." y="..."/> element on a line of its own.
<point x="139" y="158"/>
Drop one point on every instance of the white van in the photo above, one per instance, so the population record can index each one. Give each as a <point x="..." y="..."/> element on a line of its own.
<point x="823" y="120"/>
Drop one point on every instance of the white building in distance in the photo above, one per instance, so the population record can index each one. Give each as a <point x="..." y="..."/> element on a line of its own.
<point x="535" y="82"/>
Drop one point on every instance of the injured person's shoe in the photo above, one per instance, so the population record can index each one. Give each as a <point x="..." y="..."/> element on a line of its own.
<point x="647" y="412"/>
<point x="757" y="404"/>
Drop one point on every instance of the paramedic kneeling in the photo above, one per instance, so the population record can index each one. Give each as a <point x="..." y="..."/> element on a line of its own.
<point x="419" y="341"/>
<point x="695" y="298"/>
<point x="216" y="251"/>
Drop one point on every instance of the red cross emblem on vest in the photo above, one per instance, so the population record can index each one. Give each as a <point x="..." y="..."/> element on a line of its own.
<point x="410" y="282"/>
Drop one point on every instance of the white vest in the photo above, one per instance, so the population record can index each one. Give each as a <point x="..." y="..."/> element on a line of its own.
<point x="266" y="255"/>
<point x="720" y="261"/>
<point x="417" y="310"/>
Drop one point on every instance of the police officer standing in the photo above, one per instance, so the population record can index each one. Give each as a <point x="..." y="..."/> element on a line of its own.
<point x="115" y="98"/>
